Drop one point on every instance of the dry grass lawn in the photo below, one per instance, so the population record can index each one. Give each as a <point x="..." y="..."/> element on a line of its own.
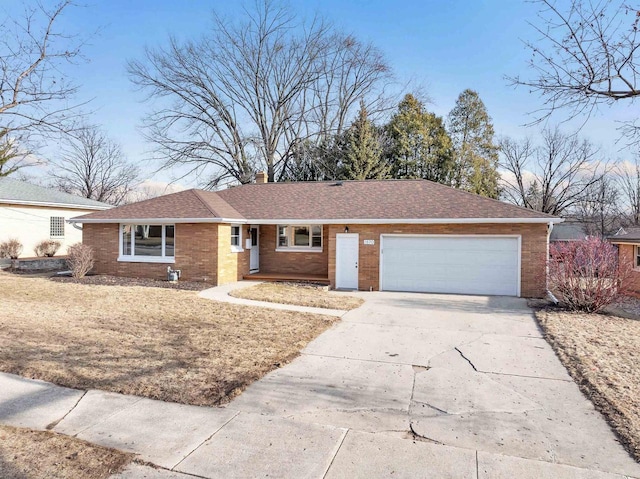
<point x="27" y="454"/>
<point x="298" y="294"/>
<point x="602" y="353"/>
<point x="152" y="342"/>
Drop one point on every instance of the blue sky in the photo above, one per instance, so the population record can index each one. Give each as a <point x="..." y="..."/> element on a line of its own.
<point x="444" y="46"/>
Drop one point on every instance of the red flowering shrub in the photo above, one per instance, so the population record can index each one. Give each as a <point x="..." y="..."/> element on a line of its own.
<point x="585" y="275"/>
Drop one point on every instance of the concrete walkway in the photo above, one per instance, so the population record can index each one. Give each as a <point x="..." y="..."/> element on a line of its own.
<point x="221" y="293"/>
<point x="406" y="386"/>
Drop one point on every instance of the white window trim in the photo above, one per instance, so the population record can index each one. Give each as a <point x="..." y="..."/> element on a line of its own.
<point x="239" y="248"/>
<point x="298" y="249"/>
<point x="636" y="253"/>
<point x="146" y="259"/>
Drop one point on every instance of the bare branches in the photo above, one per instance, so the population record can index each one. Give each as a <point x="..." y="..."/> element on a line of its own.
<point x="247" y="95"/>
<point x="585" y="56"/>
<point x="552" y="177"/>
<point x="628" y="181"/>
<point x="33" y="91"/>
<point x="94" y="167"/>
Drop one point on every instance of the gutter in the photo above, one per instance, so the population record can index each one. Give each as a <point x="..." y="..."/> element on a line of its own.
<point x="55" y="205"/>
<point x="331" y="221"/>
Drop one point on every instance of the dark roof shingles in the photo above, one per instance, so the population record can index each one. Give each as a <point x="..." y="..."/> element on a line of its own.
<point x="386" y="199"/>
<point x="367" y="200"/>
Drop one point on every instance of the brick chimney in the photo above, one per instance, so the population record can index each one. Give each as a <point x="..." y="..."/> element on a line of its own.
<point x="261" y="177"/>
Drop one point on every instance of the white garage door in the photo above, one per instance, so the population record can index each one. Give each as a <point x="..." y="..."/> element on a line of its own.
<point x="450" y="264"/>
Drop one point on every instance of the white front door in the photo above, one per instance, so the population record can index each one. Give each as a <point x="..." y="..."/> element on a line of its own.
<point x="347" y="260"/>
<point x="254" y="255"/>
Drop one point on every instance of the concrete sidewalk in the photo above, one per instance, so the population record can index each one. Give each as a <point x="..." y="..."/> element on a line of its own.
<point x="406" y="386"/>
<point x="221" y="293"/>
<point x="226" y="443"/>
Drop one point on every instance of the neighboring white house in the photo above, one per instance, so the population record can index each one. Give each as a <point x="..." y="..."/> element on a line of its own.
<point x="33" y="213"/>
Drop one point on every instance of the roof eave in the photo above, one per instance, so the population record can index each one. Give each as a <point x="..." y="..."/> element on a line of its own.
<point x="80" y="219"/>
<point x="365" y="221"/>
<point x="72" y="206"/>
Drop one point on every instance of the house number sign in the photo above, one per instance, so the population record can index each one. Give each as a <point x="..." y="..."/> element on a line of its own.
<point x="370" y="242"/>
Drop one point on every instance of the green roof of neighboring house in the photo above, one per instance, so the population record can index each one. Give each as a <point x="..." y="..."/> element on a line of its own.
<point x="21" y="192"/>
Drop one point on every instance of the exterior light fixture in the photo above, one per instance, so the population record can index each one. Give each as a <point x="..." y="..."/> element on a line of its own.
<point x="346" y="229"/>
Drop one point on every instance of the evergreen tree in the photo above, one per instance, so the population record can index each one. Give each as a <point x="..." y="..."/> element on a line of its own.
<point x="421" y="147"/>
<point x="475" y="155"/>
<point x="363" y="153"/>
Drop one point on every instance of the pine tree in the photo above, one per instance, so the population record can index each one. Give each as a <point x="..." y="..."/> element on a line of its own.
<point x="475" y="154"/>
<point x="421" y="145"/>
<point x="363" y="156"/>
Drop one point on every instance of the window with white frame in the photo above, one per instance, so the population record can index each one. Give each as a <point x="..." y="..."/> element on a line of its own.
<point x="636" y="263"/>
<point x="236" y="238"/>
<point x="147" y="243"/>
<point x="300" y="237"/>
<point x="56" y="226"/>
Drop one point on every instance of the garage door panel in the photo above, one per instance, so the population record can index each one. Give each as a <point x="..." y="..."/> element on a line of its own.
<point x="466" y="265"/>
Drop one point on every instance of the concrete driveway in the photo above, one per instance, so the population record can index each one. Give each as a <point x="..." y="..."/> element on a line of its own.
<point x="471" y="373"/>
<point x="408" y="385"/>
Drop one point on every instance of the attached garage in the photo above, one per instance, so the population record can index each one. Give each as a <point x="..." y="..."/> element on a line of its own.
<point x="466" y="264"/>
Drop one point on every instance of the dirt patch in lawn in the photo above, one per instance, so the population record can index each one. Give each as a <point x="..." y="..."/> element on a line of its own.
<point x="602" y="354"/>
<point x="27" y="454"/>
<point x="159" y="343"/>
<point x="298" y="294"/>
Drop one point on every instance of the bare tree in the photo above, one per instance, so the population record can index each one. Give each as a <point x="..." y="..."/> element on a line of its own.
<point x="93" y="166"/>
<point x="552" y="177"/>
<point x="247" y="95"/>
<point x="628" y="179"/>
<point x="10" y="159"/>
<point x="34" y="92"/>
<point x="598" y="208"/>
<point x="585" y="56"/>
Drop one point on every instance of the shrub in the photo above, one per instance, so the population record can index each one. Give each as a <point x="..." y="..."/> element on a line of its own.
<point x="47" y="248"/>
<point x="80" y="259"/>
<point x="585" y="275"/>
<point x="10" y="249"/>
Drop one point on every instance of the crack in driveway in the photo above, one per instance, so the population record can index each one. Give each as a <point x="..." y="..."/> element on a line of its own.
<point x="466" y="359"/>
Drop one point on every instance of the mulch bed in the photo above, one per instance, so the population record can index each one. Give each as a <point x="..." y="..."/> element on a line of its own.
<point x="105" y="280"/>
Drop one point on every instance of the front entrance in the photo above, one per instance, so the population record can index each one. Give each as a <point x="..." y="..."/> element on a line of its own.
<point x="347" y="260"/>
<point x="254" y="255"/>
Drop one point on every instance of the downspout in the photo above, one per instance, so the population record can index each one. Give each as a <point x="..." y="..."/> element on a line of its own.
<point x="76" y="226"/>
<point x="546" y="279"/>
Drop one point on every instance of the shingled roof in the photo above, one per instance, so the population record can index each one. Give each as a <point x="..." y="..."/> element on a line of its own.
<point x="373" y="201"/>
<point x="20" y="192"/>
<point x="626" y="235"/>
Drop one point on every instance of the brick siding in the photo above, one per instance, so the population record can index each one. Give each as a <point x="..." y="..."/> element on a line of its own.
<point x="300" y="262"/>
<point x="203" y="252"/>
<point x="626" y="257"/>
<point x="534" y="250"/>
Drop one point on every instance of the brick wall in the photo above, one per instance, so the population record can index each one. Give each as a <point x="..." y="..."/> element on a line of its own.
<point x="232" y="266"/>
<point x="272" y="261"/>
<point x="534" y="250"/>
<point x="203" y="252"/>
<point x="627" y="259"/>
<point x="196" y="253"/>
